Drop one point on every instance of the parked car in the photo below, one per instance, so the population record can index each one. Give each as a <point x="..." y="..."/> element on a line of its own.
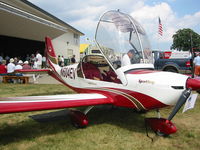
<point x="179" y="62"/>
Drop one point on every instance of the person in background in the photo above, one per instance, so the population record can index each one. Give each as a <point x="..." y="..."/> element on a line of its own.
<point x="11" y="67"/>
<point x="1" y="57"/>
<point x="32" y="60"/>
<point x="38" y="60"/>
<point x="197" y="65"/>
<point x="44" y="65"/>
<point x="26" y="65"/>
<point x="3" y="69"/>
<point x="15" y="61"/>
<point x="126" y="59"/>
<point x="35" y="65"/>
<point x="62" y="61"/>
<point x="59" y="60"/>
<point x="73" y="60"/>
<point x="7" y="58"/>
<point x="19" y="65"/>
<point x="28" y="57"/>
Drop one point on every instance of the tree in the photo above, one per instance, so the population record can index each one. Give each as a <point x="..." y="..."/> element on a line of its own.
<point x="184" y="38"/>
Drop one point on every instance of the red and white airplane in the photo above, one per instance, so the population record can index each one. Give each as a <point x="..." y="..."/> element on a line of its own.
<point x="105" y="79"/>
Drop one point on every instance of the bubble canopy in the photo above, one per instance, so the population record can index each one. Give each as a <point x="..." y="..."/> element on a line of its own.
<point x="118" y="35"/>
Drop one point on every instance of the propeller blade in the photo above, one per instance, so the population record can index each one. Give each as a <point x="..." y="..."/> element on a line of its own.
<point x="182" y="99"/>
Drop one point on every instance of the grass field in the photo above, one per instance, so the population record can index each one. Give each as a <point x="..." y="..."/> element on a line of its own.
<point x="109" y="128"/>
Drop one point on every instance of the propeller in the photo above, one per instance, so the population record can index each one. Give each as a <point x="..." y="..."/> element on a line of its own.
<point x="182" y="99"/>
<point x="191" y="84"/>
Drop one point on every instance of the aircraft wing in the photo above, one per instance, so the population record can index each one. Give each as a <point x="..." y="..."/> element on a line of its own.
<point x="34" y="71"/>
<point x="33" y="103"/>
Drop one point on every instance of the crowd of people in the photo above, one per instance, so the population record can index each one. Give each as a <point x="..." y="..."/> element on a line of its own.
<point x="61" y="60"/>
<point x="34" y="61"/>
<point x="9" y="65"/>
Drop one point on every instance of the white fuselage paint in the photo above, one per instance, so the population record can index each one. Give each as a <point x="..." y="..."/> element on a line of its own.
<point x="156" y="84"/>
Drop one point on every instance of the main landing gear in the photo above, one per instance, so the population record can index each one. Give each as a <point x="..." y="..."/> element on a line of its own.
<point x="78" y="118"/>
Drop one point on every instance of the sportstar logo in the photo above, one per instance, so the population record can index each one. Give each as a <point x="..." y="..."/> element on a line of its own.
<point x="146" y="81"/>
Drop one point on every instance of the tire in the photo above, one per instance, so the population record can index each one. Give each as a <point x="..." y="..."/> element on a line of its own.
<point x="170" y="69"/>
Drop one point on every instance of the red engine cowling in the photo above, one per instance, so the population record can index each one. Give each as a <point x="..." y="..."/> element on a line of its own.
<point x="79" y="119"/>
<point x="161" y="126"/>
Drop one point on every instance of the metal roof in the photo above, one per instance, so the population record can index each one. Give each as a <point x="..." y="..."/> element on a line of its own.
<point x="25" y="20"/>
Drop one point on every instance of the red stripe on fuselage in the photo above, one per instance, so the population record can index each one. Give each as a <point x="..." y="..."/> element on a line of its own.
<point x="147" y="101"/>
<point x="142" y="71"/>
<point x="122" y="101"/>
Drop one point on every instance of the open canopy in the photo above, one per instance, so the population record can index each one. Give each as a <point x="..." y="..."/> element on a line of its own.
<point x="118" y="34"/>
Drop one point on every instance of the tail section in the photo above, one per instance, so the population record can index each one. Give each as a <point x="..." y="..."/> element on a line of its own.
<point x="50" y="53"/>
<point x="52" y="61"/>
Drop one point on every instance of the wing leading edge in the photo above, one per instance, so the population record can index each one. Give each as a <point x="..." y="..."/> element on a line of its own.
<point x="33" y="103"/>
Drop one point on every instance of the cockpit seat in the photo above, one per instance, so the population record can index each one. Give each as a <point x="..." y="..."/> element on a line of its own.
<point x="91" y="71"/>
<point x="110" y="76"/>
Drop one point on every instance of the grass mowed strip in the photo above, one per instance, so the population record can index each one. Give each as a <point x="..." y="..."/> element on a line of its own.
<point x="109" y="128"/>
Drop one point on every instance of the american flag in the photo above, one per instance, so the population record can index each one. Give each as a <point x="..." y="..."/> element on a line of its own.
<point x="160" y="30"/>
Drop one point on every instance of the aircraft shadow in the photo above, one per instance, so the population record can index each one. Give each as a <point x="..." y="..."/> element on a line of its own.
<point x="59" y="121"/>
<point x="126" y="118"/>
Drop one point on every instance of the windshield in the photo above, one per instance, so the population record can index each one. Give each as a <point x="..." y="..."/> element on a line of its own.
<point x="122" y="40"/>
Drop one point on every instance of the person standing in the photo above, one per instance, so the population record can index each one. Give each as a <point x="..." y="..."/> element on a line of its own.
<point x="38" y="60"/>
<point x="32" y="60"/>
<point x="126" y="59"/>
<point x="197" y="65"/>
<point x="73" y="60"/>
<point x="44" y="63"/>
<point x="59" y="60"/>
<point x="37" y="64"/>
<point x="62" y="61"/>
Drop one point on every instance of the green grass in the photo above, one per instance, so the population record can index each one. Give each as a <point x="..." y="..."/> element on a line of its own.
<point x="109" y="128"/>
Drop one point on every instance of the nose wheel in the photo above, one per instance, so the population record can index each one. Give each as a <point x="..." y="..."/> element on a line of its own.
<point x="160" y="126"/>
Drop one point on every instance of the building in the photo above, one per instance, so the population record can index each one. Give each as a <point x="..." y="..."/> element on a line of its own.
<point x="24" y="27"/>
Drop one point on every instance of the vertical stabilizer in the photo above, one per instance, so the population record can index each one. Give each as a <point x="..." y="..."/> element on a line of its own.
<point x="50" y="52"/>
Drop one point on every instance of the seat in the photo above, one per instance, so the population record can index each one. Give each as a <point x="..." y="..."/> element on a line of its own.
<point x="91" y="71"/>
<point x="110" y="76"/>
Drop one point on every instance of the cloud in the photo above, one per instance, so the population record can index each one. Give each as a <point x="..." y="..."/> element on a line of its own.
<point x="148" y="17"/>
<point x="190" y="20"/>
<point x="84" y="15"/>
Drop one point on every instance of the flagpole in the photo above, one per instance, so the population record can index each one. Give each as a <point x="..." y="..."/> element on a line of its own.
<point x="158" y="40"/>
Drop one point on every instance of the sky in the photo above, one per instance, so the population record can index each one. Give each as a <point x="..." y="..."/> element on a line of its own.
<point x="84" y="16"/>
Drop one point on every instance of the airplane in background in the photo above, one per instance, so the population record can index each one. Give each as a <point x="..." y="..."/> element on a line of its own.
<point x="104" y="79"/>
